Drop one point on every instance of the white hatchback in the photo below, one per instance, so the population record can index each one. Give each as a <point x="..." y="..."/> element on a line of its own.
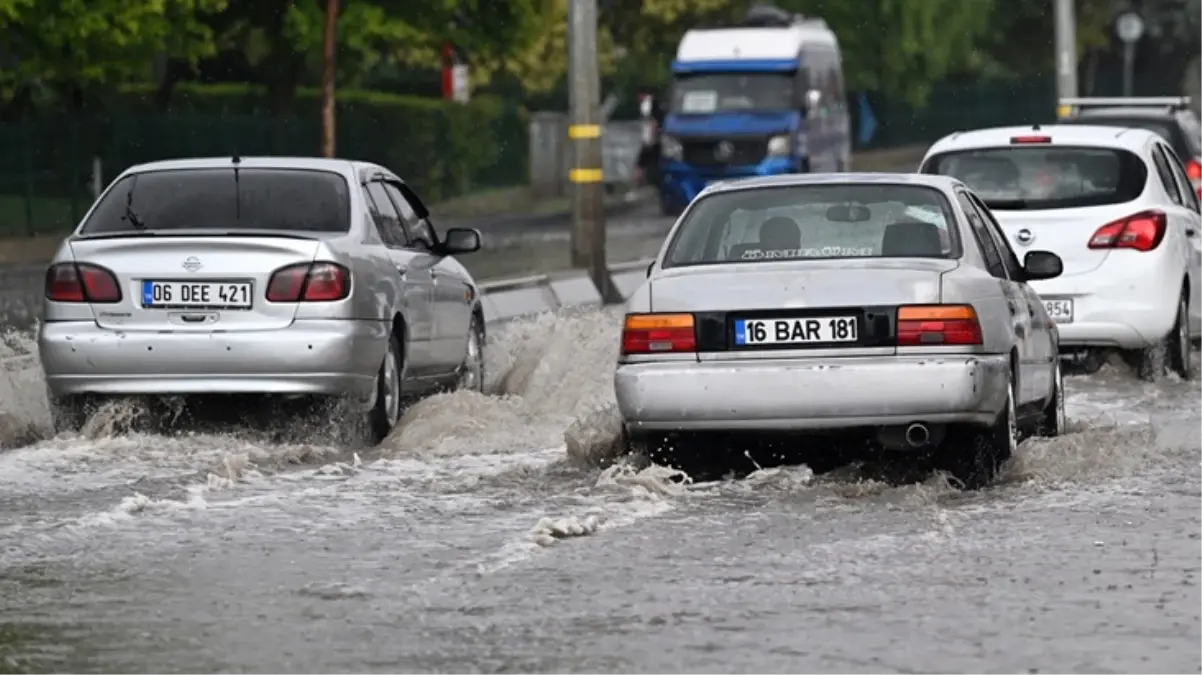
<point x="1116" y="207"/>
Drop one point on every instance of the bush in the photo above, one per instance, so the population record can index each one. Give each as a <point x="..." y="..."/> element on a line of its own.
<point x="444" y="148"/>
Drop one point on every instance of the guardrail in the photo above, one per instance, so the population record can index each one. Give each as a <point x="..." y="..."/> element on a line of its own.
<point x="507" y="299"/>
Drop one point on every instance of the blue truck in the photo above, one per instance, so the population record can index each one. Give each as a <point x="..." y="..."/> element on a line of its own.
<point x="760" y="98"/>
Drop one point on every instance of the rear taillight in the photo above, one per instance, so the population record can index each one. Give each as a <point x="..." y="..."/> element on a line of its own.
<point x="1023" y="140"/>
<point x="658" y="334"/>
<point x="1142" y="231"/>
<point x="309" y="282"/>
<point x="1193" y="169"/>
<point x="934" y="325"/>
<point x="81" y="282"/>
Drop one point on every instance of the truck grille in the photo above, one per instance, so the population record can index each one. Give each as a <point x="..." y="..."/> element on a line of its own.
<point x="708" y="152"/>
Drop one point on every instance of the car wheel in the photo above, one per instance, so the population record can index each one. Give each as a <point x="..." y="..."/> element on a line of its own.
<point x="69" y="413"/>
<point x="386" y="412"/>
<point x="471" y="373"/>
<point x="974" y="455"/>
<point x="1055" y="421"/>
<point x="1179" y="343"/>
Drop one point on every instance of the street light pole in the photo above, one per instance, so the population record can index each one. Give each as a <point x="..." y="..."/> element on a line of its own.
<point x="584" y="130"/>
<point x="1066" y="53"/>
<point x="327" y="79"/>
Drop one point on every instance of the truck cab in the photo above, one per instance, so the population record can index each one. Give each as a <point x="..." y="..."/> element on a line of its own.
<point x="762" y="98"/>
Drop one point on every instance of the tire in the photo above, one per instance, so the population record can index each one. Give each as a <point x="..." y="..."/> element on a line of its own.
<point x="386" y="411"/>
<point x="973" y="455"/>
<point x="1055" y="421"/>
<point x="1178" y="345"/>
<point x="471" y="373"/>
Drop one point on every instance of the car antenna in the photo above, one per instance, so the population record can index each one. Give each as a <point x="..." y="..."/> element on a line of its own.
<point x="237" y="187"/>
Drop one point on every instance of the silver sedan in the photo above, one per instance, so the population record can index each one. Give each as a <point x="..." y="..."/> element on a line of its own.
<point x="279" y="276"/>
<point x="884" y="308"/>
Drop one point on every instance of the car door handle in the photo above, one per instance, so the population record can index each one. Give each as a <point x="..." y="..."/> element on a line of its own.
<point x="1191" y="232"/>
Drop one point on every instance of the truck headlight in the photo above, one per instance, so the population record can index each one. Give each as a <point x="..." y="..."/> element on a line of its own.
<point x="670" y="148"/>
<point x="778" y="146"/>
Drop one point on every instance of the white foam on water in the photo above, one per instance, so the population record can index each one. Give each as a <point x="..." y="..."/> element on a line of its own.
<point x="545" y="442"/>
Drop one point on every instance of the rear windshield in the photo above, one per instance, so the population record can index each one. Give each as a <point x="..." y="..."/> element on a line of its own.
<point x="260" y="199"/>
<point x="814" y="222"/>
<point x="1045" y="177"/>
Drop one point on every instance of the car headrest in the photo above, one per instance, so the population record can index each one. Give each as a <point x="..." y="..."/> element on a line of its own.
<point x="912" y="238"/>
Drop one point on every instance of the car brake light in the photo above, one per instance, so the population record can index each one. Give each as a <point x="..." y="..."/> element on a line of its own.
<point x="1019" y="140"/>
<point x="1142" y="231"/>
<point x="81" y="282"/>
<point x="309" y="282"/>
<point x="1193" y="169"/>
<point x="934" y="325"/>
<point x="658" y="333"/>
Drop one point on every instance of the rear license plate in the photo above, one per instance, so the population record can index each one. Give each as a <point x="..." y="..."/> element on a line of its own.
<point x="1060" y="311"/>
<point x="751" y="332"/>
<point x="199" y="294"/>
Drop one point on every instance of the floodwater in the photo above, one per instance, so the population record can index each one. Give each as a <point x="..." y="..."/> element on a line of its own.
<point x="479" y="538"/>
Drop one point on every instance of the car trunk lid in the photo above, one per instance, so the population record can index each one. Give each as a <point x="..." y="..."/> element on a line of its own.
<point x="822" y="307"/>
<point x="198" y="281"/>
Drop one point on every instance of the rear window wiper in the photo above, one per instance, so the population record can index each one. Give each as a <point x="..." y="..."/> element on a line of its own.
<point x="130" y="214"/>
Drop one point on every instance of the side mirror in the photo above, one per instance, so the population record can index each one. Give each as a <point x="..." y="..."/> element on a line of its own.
<point x="650" y="267"/>
<point x="460" y="240"/>
<point x="1042" y="265"/>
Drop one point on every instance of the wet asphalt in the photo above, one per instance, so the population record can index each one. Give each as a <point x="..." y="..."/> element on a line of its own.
<point x="472" y="542"/>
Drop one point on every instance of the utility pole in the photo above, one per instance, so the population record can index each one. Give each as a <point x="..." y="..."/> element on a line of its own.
<point x="1066" y="53"/>
<point x="584" y="130"/>
<point x="327" y="79"/>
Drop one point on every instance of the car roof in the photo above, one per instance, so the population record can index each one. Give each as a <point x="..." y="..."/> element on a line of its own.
<point x="785" y="180"/>
<point x="1116" y="137"/>
<point x="263" y="162"/>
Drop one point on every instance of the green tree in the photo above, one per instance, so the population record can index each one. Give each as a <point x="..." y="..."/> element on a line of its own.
<point x="903" y="47"/>
<point x="70" y="47"/>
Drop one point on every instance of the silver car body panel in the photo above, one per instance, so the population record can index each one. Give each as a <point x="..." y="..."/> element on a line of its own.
<point x="826" y="388"/>
<point x="288" y="348"/>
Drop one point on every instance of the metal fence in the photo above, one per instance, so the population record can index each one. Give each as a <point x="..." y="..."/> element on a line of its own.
<point x="47" y="166"/>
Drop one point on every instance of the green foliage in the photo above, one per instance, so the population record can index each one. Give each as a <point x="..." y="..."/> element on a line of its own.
<point x="445" y="148"/>
<point x="62" y="44"/>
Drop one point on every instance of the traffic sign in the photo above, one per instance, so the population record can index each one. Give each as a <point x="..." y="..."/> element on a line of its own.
<point x="1130" y="27"/>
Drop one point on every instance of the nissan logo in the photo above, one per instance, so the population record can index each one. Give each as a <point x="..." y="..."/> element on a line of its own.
<point x="192" y="264"/>
<point x="724" y="151"/>
<point x="1025" y="236"/>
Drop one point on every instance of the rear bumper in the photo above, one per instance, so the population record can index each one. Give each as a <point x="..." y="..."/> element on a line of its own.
<point x="1124" y="309"/>
<point x="308" y="357"/>
<point x="800" y="394"/>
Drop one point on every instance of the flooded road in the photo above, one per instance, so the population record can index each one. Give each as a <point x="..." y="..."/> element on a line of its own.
<point x="476" y="540"/>
<point x="481" y="538"/>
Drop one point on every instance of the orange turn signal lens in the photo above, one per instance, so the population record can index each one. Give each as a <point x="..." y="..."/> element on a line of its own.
<point x="935" y="312"/>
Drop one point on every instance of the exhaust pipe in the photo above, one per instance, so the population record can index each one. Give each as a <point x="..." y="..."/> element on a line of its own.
<point x="917" y="435"/>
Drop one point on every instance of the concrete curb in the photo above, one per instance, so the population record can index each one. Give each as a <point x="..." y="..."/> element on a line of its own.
<point x="507" y="299"/>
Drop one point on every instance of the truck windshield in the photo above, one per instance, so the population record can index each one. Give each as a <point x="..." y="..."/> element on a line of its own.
<point x="708" y="93"/>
